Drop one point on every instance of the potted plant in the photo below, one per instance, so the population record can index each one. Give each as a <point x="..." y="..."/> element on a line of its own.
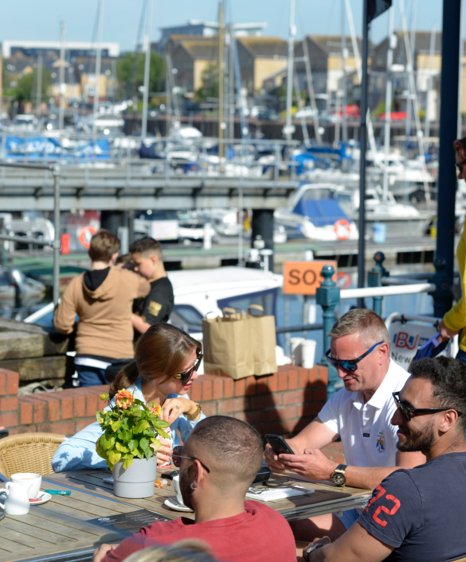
<point x="129" y="443"/>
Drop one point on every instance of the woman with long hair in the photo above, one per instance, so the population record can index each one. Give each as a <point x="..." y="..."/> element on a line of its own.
<point x="166" y="362"/>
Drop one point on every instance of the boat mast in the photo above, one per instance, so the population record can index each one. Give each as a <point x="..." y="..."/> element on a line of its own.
<point x="221" y="85"/>
<point x="145" y="96"/>
<point x="388" y="99"/>
<point x="61" y="112"/>
<point x="98" y="58"/>
<point x="288" y="130"/>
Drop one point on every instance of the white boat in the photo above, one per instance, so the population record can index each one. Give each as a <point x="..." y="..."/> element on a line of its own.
<point x="399" y="218"/>
<point x="316" y="213"/>
<point x="201" y="292"/>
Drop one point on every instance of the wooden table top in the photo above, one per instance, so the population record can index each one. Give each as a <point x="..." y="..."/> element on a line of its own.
<point x="75" y="525"/>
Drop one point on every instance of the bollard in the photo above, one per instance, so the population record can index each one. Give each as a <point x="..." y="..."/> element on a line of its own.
<point x="374" y="279"/>
<point x="328" y="296"/>
<point x="443" y="296"/>
<point x="65" y="244"/>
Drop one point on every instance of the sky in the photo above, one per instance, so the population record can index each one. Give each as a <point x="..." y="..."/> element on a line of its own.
<point x="40" y="19"/>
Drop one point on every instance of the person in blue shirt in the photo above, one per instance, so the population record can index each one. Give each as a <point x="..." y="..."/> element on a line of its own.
<point x="165" y="365"/>
<point x="416" y="514"/>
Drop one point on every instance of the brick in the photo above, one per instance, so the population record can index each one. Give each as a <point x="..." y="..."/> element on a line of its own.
<point x="282" y="383"/>
<point x="9" y="419"/>
<point x="92" y="405"/>
<point x="207" y="390"/>
<point x="240" y="386"/>
<point x="66" y="403"/>
<point x="292" y="378"/>
<point x="228" y="388"/>
<point x="63" y="427"/>
<point x="79" y="405"/>
<point x="26" y="413"/>
<point x="9" y="403"/>
<point x="12" y="383"/>
<point x="230" y="406"/>
<point x="295" y="397"/>
<point x="217" y="388"/>
<point x="264" y="401"/>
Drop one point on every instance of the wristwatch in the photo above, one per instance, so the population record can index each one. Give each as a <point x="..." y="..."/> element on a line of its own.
<point x="338" y="475"/>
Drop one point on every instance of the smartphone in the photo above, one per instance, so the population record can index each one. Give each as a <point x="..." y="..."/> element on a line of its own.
<point x="278" y="444"/>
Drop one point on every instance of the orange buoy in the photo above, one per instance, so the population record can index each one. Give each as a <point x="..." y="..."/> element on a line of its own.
<point x="84" y="236"/>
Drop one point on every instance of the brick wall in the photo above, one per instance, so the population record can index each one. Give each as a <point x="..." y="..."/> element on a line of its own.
<point x="280" y="403"/>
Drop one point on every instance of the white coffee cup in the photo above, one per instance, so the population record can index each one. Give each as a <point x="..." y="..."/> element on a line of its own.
<point x="30" y="481"/>
<point x="308" y="353"/>
<point x="16" y="499"/>
<point x="296" y="350"/>
<point x="176" y="487"/>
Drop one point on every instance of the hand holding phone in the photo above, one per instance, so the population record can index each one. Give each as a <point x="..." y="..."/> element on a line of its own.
<point x="278" y="444"/>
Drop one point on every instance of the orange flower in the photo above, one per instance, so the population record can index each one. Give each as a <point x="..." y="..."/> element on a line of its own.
<point x="124" y="398"/>
<point x="155" y="409"/>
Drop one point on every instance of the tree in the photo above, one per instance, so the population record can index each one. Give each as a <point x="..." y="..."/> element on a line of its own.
<point x="130" y="74"/>
<point x="26" y="87"/>
<point x="209" y="88"/>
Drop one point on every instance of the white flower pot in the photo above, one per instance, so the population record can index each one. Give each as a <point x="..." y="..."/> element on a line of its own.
<point x="137" y="481"/>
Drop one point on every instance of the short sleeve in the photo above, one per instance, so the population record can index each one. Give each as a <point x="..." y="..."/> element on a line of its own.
<point x="330" y="413"/>
<point x="394" y="510"/>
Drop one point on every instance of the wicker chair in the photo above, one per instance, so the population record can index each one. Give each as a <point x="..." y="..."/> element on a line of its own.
<point x="28" y="452"/>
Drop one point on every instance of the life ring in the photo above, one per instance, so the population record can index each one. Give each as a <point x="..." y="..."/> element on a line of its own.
<point x="342" y="229"/>
<point x="343" y="280"/>
<point x="84" y="236"/>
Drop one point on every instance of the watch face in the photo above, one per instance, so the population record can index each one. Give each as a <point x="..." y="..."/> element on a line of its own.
<point x="338" y="478"/>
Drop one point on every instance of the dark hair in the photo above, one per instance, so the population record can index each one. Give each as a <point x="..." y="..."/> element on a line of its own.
<point x="448" y="377"/>
<point x="460" y="146"/>
<point x="160" y="354"/>
<point x="146" y="245"/>
<point x="231" y="448"/>
<point x="363" y="321"/>
<point x="104" y="244"/>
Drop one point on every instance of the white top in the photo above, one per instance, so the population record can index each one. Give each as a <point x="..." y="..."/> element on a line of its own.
<point x="368" y="437"/>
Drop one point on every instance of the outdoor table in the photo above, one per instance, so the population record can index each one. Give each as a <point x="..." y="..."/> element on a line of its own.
<point x="69" y="528"/>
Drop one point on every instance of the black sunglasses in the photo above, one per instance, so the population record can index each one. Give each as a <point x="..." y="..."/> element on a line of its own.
<point x="350" y="365"/>
<point x="408" y="412"/>
<point x="177" y="457"/>
<point x="185" y="376"/>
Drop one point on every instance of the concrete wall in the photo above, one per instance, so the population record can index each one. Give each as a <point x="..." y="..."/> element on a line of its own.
<point x="280" y="403"/>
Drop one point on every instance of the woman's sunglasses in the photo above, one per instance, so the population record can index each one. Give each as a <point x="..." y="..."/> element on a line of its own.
<point x="186" y="376"/>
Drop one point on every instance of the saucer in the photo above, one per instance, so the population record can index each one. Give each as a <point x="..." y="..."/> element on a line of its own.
<point x="172" y="503"/>
<point x="43" y="497"/>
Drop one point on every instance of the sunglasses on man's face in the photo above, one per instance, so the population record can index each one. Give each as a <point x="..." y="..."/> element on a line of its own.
<point x="349" y="365"/>
<point x="409" y="412"/>
<point x="177" y="457"/>
<point x="186" y="376"/>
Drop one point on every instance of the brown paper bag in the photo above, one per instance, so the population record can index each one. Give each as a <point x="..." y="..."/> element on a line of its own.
<point x="263" y="340"/>
<point x="227" y="345"/>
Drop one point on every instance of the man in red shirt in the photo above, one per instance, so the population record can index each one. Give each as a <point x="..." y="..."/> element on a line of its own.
<point x="217" y="465"/>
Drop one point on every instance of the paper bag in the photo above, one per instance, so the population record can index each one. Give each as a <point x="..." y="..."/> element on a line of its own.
<point x="263" y="340"/>
<point x="227" y="345"/>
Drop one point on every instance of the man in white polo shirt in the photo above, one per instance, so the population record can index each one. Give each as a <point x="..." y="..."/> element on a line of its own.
<point x="359" y="414"/>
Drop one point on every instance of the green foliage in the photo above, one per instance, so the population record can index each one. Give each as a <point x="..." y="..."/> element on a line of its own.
<point x="26" y="87"/>
<point x="130" y="74"/>
<point x="130" y="430"/>
<point x="209" y="88"/>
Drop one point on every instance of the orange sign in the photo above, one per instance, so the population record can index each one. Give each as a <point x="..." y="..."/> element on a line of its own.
<point x="303" y="277"/>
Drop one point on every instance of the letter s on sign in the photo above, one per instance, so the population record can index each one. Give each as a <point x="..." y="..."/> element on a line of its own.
<point x="294" y="277"/>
